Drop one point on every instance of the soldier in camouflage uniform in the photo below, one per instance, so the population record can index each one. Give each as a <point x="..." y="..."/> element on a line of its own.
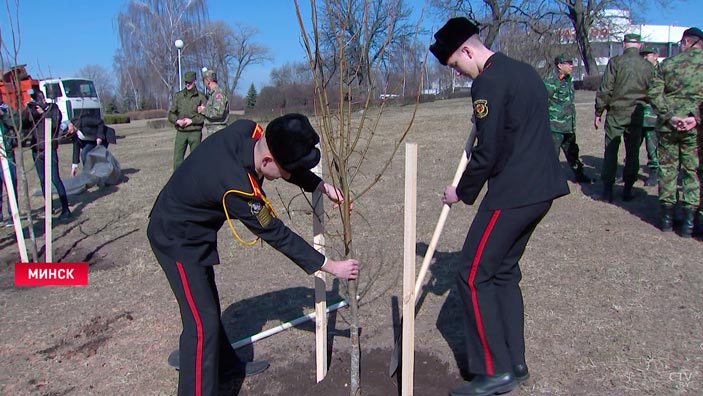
<point x="184" y="115"/>
<point x="676" y="94"/>
<point x="622" y="92"/>
<point x="649" y="132"/>
<point x="216" y="110"/>
<point x="562" y="114"/>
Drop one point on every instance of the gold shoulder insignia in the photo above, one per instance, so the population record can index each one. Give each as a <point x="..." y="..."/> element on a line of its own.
<point x="481" y="108"/>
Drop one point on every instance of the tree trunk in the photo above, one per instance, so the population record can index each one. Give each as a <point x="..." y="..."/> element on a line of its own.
<point x="582" y="25"/>
<point x="24" y="192"/>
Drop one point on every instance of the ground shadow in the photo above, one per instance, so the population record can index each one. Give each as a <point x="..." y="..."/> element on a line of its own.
<point x="442" y="279"/>
<point x="645" y="205"/>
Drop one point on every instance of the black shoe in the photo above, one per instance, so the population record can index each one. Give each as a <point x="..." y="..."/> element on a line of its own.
<point x="521" y="373"/>
<point x="581" y="177"/>
<point x="627" y="194"/>
<point x="607" y="194"/>
<point x="653" y="178"/>
<point x="486" y="385"/>
<point x="248" y="369"/>
<point x="65" y="215"/>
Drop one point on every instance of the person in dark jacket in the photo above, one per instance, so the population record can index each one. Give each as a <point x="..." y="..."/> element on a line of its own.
<point x="87" y="133"/>
<point x="35" y="115"/>
<point x="220" y="181"/>
<point x="515" y="156"/>
<point x="8" y="122"/>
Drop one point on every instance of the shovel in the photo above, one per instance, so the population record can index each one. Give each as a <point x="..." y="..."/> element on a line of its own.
<point x="395" y="356"/>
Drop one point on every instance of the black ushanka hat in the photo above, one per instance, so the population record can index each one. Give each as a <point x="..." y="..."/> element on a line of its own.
<point x="292" y="140"/>
<point x="450" y="37"/>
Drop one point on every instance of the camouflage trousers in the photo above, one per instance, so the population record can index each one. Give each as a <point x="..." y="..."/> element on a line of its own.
<point x="678" y="154"/>
<point x="650" y="141"/>
<point x="566" y="142"/>
<point x="183" y="141"/>
<point x="212" y="128"/>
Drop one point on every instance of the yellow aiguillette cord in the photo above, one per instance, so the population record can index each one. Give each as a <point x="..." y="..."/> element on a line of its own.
<point x="229" y="220"/>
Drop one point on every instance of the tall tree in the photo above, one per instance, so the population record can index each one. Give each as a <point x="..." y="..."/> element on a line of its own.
<point x="251" y="97"/>
<point x="147" y="31"/>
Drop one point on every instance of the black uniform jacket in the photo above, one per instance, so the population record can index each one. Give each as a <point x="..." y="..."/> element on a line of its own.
<point x="514" y="151"/>
<point x="188" y="212"/>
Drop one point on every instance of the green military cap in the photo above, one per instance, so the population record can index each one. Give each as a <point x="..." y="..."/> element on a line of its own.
<point x="210" y="75"/>
<point x="693" y="32"/>
<point x="189" y="76"/>
<point x="632" y="38"/>
<point x="649" y="50"/>
<point x="562" y="58"/>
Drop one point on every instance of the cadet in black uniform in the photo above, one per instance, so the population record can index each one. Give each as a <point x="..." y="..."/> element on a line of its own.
<point x="515" y="154"/>
<point x="220" y="180"/>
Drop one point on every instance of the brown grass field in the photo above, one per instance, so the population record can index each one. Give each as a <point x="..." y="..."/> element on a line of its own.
<point x="613" y="305"/>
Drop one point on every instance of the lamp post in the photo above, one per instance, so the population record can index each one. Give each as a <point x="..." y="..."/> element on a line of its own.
<point x="179" y="46"/>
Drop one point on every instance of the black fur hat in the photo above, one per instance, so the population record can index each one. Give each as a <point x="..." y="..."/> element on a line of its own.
<point x="450" y="37"/>
<point x="291" y="140"/>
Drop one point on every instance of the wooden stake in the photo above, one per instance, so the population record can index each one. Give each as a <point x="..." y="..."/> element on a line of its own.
<point x="318" y="229"/>
<point x="47" y="191"/>
<point x="410" y="240"/>
<point x="12" y="199"/>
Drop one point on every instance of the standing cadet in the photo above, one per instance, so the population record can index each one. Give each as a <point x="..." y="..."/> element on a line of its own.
<point x="562" y="114"/>
<point x="216" y="110"/>
<point x="515" y="155"/>
<point x="676" y="94"/>
<point x="622" y="94"/>
<point x="649" y="123"/>
<point x="184" y="222"/>
<point x="184" y="115"/>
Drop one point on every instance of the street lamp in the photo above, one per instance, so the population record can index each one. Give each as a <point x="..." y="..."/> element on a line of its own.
<point x="179" y="46"/>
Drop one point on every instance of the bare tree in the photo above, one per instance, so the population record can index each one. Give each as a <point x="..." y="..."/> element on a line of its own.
<point x="148" y="30"/>
<point x="231" y="51"/>
<point x="492" y="14"/>
<point x="342" y="53"/>
<point x="104" y="82"/>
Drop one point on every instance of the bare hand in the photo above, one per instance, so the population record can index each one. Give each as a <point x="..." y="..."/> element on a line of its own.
<point x="345" y="269"/>
<point x="596" y="122"/>
<point x="678" y="123"/>
<point x="74" y="171"/>
<point x="334" y="194"/>
<point x="98" y="141"/>
<point x="689" y="123"/>
<point x="200" y="108"/>
<point x="449" y="197"/>
<point x="186" y="122"/>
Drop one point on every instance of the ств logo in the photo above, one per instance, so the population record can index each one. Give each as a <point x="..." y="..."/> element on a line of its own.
<point x="51" y="274"/>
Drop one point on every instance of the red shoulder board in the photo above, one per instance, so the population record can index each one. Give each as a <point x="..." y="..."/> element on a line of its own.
<point x="255" y="185"/>
<point x="258" y="131"/>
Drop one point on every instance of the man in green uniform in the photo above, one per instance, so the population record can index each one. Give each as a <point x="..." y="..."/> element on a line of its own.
<point x="651" y="54"/>
<point x="676" y="94"/>
<point x="622" y="94"/>
<point x="184" y="115"/>
<point x="562" y="114"/>
<point x="216" y="110"/>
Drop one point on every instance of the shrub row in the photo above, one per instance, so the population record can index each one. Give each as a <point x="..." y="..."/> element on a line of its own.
<point x="147" y="114"/>
<point x="116" y="119"/>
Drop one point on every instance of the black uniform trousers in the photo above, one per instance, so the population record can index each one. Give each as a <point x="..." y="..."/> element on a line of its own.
<point x="205" y="354"/>
<point x="488" y="281"/>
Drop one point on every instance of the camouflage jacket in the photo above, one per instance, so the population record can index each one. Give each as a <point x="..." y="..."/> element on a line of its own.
<point x="562" y="112"/>
<point x="185" y="104"/>
<point x="650" y="117"/>
<point x="624" y="83"/>
<point x="677" y="89"/>
<point x="216" y="110"/>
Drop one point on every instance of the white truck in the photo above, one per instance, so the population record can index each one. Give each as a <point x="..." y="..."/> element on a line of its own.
<point x="74" y="96"/>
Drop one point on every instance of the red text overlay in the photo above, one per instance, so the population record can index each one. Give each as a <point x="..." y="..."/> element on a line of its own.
<point x="51" y="274"/>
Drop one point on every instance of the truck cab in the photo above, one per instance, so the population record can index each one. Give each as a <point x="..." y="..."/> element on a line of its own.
<point x="74" y="96"/>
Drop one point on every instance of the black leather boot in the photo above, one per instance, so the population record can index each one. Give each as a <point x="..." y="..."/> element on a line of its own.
<point x="698" y="223"/>
<point x="653" y="178"/>
<point x="581" y="177"/>
<point x="687" y="225"/>
<point x="667" y="224"/>
<point x="607" y="194"/>
<point x="627" y="194"/>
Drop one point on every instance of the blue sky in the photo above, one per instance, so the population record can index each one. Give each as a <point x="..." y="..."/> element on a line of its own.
<point x="60" y="37"/>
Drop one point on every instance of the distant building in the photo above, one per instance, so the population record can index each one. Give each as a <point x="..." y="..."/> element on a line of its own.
<point x="607" y="33"/>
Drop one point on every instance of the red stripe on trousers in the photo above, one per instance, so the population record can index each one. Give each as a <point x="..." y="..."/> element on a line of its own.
<point x="199" y="330"/>
<point x="474" y="297"/>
